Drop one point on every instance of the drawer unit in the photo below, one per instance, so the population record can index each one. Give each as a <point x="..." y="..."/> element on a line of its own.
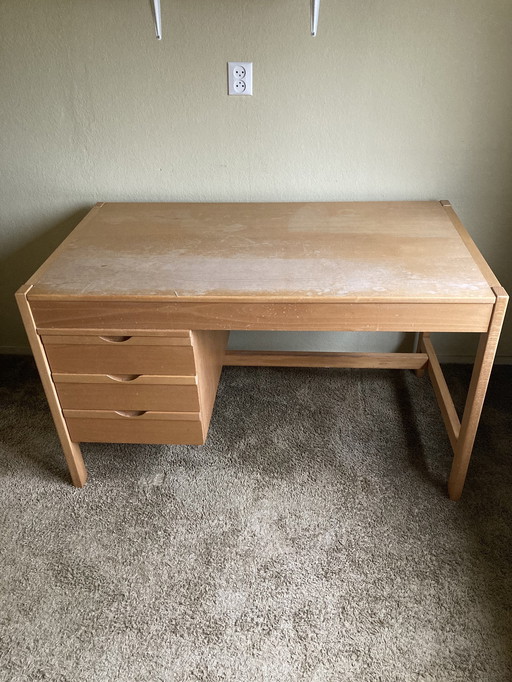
<point x="111" y="354"/>
<point x="109" y="426"/>
<point x="121" y="387"/>
<point x="127" y="392"/>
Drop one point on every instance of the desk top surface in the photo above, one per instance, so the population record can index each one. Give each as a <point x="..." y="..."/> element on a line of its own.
<point x="373" y="251"/>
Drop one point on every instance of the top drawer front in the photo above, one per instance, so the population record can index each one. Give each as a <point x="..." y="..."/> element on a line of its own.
<point x="94" y="354"/>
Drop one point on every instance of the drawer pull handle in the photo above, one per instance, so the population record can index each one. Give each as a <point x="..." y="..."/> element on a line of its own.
<point x="115" y="339"/>
<point x="130" y="413"/>
<point x="123" y="377"/>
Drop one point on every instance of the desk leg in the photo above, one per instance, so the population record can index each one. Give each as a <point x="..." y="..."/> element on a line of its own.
<point x="476" y="394"/>
<point x="417" y="349"/>
<point x="72" y="451"/>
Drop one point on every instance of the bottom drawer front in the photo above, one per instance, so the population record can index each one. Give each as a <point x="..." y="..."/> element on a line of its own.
<point x="173" y="428"/>
<point x="130" y="396"/>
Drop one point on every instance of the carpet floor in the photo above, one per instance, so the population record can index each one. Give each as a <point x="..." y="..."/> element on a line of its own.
<point x="310" y="539"/>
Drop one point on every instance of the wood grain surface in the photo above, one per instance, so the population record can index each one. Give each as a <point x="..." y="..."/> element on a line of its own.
<point x="319" y="316"/>
<point x="363" y="251"/>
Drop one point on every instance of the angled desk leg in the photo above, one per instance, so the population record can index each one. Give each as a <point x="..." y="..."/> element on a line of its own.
<point x="72" y="451"/>
<point x="476" y="394"/>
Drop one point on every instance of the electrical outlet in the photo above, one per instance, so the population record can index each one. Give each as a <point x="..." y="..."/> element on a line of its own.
<point x="239" y="78"/>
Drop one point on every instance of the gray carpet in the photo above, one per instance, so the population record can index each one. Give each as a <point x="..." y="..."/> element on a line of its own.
<point x="310" y="539"/>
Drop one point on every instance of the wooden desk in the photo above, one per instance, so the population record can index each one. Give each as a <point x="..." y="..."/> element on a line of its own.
<point x="128" y="320"/>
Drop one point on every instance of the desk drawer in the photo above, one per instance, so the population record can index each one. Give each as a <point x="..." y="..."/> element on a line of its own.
<point x="109" y="426"/>
<point x="127" y="392"/>
<point x="164" y="355"/>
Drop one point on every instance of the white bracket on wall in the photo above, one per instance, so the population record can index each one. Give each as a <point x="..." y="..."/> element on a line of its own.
<point x="157" y="16"/>
<point x="315" y="10"/>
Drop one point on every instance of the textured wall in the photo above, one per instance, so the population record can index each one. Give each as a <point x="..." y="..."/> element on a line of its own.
<point x="394" y="99"/>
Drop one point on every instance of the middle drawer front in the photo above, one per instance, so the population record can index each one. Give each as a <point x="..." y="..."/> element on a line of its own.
<point x="120" y="355"/>
<point x="127" y="392"/>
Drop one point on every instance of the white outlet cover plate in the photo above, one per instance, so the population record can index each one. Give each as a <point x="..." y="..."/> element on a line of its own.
<point x="240" y="78"/>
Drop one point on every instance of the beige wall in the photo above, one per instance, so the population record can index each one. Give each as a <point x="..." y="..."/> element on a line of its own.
<point x="395" y="99"/>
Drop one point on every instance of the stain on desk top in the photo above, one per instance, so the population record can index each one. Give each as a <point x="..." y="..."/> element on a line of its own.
<point x="372" y="251"/>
